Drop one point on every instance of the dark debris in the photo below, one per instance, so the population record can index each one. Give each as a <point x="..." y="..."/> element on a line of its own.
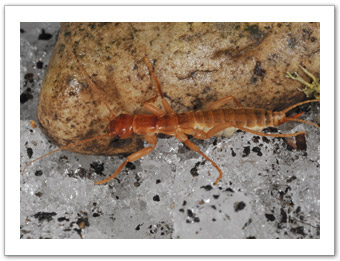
<point x="239" y="206"/>
<point x="41" y="216"/>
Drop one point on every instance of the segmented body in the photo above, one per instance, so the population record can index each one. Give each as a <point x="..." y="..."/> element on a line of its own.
<point x="255" y="119"/>
<point x="190" y="122"/>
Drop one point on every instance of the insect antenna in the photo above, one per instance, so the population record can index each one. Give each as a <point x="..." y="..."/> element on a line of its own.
<point x="63" y="148"/>
<point x="158" y="86"/>
<point x="87" y="77"/>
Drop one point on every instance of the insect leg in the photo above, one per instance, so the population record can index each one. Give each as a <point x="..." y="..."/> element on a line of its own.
<point x="217" y="129"/>
<point x="219" y="103"/>
<point x="199" y="134"/>
<point x="152" y="139"/>
<point x="221" y="127"/>
<point x="183" y="138"/>
<point x="165" y="103"/>
<point x="154" y="109"/>
<point x="277" y="135"/>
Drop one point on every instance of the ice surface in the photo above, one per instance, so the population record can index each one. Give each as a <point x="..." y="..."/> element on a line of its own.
<point x="267" y="191"/>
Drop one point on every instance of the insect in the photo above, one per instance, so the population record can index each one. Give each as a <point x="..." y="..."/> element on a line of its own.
<point x="199" y="124"/>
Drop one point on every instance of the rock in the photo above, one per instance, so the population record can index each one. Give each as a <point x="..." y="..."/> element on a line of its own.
<point x="196" y="64"/>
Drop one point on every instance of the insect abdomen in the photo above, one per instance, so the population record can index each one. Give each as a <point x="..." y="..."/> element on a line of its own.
<point x="248" y="117"/>
<point x="255" y="119"/>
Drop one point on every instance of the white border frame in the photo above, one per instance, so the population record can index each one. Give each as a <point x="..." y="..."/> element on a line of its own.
<point x="16" y="14"/>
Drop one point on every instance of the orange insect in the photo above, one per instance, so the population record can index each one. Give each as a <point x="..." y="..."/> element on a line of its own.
<point x="200" y="124"/>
